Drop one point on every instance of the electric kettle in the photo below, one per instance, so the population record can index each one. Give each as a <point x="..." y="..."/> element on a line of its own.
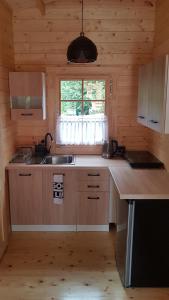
<point x="112" y="149"/>
<point x="107" y="149"/>
<point x="117" y="150"/>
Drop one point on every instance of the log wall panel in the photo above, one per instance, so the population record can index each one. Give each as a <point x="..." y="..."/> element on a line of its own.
<point x="7" y="128"/>
<point x="159" y="143"/>
<point x="124" y="34"/>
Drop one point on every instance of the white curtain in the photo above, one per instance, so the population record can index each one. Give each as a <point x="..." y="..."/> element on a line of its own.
<point x="81" y="130"/>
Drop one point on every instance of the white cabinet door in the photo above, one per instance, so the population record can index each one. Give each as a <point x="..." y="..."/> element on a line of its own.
<point x="156" y="101"/>
<point x="144" y="93"/>
<point x="153" y="100"/>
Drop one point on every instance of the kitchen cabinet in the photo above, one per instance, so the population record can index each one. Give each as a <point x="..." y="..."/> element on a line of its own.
<point x="63" y="214"/>
<point x="84" y="206"/>
<point x="153" y="100"/>
<point x="93" y="200"/>
<point x="28" y="95"/>
<point x="144" y="93"/>
<point x="136" y="237"/>
<point x="26" y="204"/>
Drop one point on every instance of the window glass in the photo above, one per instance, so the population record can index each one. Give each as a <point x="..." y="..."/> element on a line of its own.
<point x="94" y="108"/>
<point x="73" y="108"/>
<point x="71" y="89"/>
<point x="94" y="90"/>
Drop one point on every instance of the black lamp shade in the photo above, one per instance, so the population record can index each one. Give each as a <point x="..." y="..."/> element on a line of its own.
<point x="82" y="50"/>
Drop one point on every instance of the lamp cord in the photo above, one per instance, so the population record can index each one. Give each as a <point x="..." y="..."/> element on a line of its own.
<point x="82" y="33"/>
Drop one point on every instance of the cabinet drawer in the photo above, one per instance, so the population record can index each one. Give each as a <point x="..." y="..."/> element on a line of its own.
<point x="26" y="114"/>
<point x="88" y="186"/>
<point x="92" y="208"/>
<point x="93" y="174"/>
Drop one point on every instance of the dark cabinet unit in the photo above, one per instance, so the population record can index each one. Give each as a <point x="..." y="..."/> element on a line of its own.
<point x="142" y="242"/>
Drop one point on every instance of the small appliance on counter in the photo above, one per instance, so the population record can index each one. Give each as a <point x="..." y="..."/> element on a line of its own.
<point x="35" y="154"/>
<point x="112" y="149"/>
<point x="22" y="154"/>
<point x="43" y="148"/>
<point x="143" y="160"/>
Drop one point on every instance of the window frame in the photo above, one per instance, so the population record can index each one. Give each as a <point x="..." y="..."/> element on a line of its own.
<point x="83" y="78"/>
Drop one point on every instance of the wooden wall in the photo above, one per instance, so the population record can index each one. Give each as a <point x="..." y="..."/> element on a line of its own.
<point x="7" y="128"/>
<point x="123" y="31"/>
<point x="159" y="143"/>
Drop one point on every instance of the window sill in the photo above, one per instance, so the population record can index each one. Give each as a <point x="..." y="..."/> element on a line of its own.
<point x="78" y="149"/>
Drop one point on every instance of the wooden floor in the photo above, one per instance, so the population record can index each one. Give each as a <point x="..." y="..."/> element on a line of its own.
<point x="65" y="266"/>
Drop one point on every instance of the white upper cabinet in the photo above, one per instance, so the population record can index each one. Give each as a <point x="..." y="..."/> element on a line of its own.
<point x="153" y="100"/>
<point x="145" y="75"/>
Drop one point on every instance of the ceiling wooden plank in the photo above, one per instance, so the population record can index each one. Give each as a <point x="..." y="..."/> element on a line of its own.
<point x="41" y="6"/>
<point x="6" y="4"/>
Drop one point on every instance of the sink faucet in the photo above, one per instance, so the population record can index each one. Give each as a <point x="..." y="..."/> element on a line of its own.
<point x="48" y="134"/>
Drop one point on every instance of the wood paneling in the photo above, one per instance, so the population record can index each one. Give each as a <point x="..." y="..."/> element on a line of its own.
<point x="124" y="34"/>
<point x="7" y="128"/>
<point x="159" y="143"/>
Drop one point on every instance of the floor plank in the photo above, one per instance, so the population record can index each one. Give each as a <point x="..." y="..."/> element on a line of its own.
<point x="65" y="266"/>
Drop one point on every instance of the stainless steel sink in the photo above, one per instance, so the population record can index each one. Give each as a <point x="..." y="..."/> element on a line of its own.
<point x="58" y="160"/>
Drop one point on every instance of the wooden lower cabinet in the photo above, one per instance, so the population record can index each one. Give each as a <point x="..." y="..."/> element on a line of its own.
<point x="93" y="199"/>
<point x="26" y="203"/>
<point x="85" y="204"/>
<point x="64" y="213"/>
<point x="92" y="208"/>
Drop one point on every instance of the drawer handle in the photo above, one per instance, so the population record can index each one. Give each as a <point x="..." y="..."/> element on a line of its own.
<point x="93" y="198"/>
<point x="141" y="117"/>
<point x="28" y="174"/>
<point x="154" y="122"/>
<point x="97" y="174"/>
<point x="93" y="186"/>
<point x="26" y="114"/>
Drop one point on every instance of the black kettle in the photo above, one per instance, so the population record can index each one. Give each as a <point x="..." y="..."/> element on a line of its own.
<point x="114" y="147"/>
<point x="117" y="150"/>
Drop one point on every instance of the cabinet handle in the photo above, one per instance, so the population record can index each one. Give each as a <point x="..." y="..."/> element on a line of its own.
<point x="154" y="122"/>
<point x="93" y="198"/>
<point x="26" y="114"/>
<point x="28" y="174"/>
<point x="97" y="174"/>
<point x="93" y="186"/>
<point x="141" y="117"/>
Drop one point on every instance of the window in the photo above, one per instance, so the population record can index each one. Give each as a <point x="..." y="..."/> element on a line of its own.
<point x="82" y="118"/>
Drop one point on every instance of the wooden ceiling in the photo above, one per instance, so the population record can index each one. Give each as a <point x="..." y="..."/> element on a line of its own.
<point x="23" y="4"/>
<point x="26" y="4"/>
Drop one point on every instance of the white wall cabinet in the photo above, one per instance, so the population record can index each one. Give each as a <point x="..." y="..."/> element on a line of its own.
<point x="144" y="93"/>
<point x="153" y="99"/>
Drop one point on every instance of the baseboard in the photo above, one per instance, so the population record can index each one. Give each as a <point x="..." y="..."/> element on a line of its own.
<point x="60" y="227"/>
<point x="43" y="227"/>
<point x="92" y="227"/>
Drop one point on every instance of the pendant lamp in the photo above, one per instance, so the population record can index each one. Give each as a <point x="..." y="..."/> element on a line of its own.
<point x="82" y="49"/>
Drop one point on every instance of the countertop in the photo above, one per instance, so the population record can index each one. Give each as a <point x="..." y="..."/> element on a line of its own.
<point x="141" y="184"/>
<point x="130" y="183"/>
<point x="80" y="161"/>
